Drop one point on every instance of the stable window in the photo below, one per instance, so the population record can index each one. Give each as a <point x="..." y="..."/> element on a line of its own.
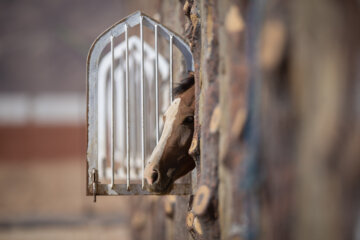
<point x="129" y="86"/>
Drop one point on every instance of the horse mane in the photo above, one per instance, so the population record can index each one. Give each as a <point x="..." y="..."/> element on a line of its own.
<point x="184" y="85"/>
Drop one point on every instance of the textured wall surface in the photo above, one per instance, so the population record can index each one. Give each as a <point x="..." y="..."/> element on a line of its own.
<point x="277" y="135"/>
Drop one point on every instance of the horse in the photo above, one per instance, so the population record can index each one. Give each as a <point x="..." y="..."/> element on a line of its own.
<point x="170" y="159"/>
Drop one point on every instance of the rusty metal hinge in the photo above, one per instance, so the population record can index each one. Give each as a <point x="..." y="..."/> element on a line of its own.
<point x="94" y="180"/>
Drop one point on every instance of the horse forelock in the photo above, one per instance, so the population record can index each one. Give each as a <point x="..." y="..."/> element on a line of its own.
<point x="184" y="85"/>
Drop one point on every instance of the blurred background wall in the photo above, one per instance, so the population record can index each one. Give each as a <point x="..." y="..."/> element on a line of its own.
<point x="43" y="50"/>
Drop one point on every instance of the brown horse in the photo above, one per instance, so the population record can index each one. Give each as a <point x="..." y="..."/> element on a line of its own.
<point x="170" y="159"/>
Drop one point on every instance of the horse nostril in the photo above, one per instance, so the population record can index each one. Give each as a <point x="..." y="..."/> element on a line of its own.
<point x="154" y="176"/>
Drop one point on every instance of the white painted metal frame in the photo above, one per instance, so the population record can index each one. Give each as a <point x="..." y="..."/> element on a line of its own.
<point x="93" y="186"/>
<point x="134" y="43"/>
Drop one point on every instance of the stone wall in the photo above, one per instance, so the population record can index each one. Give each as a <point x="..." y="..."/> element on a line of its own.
<point x="277" y="120"/>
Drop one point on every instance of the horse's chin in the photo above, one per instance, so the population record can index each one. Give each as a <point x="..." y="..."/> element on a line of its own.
<point x="190" y="165"/>
<point x="163" y="188"/>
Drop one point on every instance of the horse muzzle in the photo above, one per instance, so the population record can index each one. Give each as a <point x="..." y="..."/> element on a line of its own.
<point x="157" y="181"/>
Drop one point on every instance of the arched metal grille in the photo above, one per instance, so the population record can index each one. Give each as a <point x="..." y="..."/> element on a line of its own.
<point x="109" y="109"/>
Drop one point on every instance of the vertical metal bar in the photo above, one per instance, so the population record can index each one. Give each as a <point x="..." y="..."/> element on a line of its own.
<point x="112" y="111"/>
<point x="127" y="110"/>
<point x="142" y="103"/>
<point x="171" y="68"/>
<point x="156" y="84"/>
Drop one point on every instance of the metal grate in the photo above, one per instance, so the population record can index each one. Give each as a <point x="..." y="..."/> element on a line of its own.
<point x="112" y="124"/>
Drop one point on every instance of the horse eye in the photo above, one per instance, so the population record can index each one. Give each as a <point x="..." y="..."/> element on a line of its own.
<point x="188" y="120"/>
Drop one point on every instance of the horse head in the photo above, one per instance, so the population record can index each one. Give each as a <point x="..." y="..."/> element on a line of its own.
<point x="170" y="159"/>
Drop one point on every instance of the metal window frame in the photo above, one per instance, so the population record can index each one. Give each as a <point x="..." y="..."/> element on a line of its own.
<point x="93" y="186"/>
